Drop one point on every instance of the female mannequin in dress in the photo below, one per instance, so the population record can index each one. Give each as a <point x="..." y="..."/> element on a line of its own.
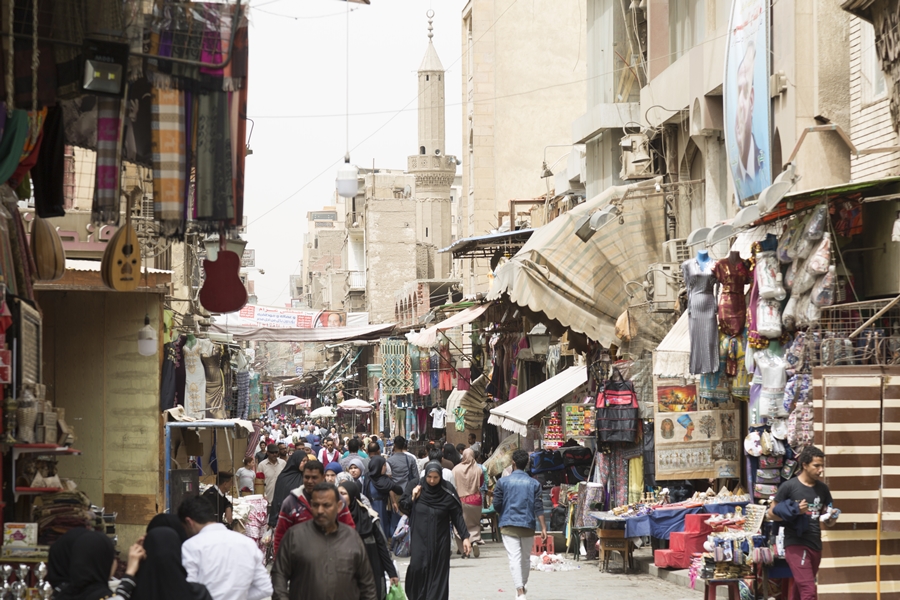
<point x="732" y="274"/>
<point x="700" y="281"/>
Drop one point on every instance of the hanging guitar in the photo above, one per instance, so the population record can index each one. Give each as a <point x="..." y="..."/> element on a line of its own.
<point x="121" y="264"/>
<point x="223" y="291"/>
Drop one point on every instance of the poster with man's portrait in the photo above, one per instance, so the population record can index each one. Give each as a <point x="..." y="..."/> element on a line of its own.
<point x="746" y="98"/>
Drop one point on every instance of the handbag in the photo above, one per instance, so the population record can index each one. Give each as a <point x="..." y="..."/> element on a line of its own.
<point x="768" y="476"/>
<point x="617" y="392"/>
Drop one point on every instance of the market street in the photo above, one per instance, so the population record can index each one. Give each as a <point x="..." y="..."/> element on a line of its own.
<point x="488" y="578"/>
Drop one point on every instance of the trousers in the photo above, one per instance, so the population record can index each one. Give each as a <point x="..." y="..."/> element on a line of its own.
<point x="518" y="550"/>
<point x="804" y="564"/>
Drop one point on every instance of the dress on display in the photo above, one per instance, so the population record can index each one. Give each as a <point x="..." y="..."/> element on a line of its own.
<point x="195" y="382"/>
<point x="732" y="276"/>
<point x="702" y="308"/>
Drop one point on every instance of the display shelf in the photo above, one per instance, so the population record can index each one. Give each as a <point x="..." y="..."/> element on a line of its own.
<point x="33" y="491"/>
<point x="54" y="449"/>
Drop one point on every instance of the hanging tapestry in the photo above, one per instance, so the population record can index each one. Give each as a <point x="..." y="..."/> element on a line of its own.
<point x="396" y="370"/>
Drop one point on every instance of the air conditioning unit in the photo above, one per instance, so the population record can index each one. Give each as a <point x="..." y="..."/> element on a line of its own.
<point x="636" y="160"/>
<point x="676" y="251"/>
<point x="663" y="280"/>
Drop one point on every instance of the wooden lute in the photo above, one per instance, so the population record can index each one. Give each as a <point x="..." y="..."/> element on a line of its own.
<point x="124" y="262"/>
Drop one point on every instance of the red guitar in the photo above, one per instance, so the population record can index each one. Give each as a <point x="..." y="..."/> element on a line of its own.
<point x="222" y="291"/>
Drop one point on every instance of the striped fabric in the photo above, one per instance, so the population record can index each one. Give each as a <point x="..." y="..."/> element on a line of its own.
<point x="396" y="371"/>
<point x="105" y="208"/>
<point x="168" y="141"/>
<point x="857" y="413"/>
<point x="582" y="285"/>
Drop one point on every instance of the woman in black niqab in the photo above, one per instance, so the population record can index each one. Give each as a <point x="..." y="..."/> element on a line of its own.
<point x="290" y="478"/>
<point x="170" y="521"/>
<point x="92" y="560"/>
<point x="161" y="575"/>
<point x="60" y="558"/>
<point x="431" y="511"/>
<point x="372" y="537"/>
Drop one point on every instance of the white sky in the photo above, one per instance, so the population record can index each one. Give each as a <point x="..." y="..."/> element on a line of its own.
<point x="298" y="69"/>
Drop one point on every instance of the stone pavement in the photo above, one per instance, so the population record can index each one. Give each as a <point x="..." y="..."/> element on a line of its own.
<point x="488" y="578"/>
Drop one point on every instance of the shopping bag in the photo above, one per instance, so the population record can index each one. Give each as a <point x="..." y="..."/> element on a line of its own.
<point x="395" y="593"/>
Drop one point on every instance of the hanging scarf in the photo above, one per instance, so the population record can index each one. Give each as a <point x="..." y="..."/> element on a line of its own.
<point x="215" y="195"/>
<point x="13" y="142"/>
<point x="105" y="209"/>
<point x="169" y="165"/>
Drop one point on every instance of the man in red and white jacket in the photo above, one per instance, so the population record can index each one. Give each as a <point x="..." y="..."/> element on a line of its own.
<point x="329" y="453"/>
<point x="296" y="508"/>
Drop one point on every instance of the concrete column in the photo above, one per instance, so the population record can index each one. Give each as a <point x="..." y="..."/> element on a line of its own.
<point x="716" y="192"/>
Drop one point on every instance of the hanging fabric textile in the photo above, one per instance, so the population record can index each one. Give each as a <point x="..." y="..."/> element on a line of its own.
<point x="396" y="371"/>
<point x="169" y="160"/>
<point x="105" y="208"/>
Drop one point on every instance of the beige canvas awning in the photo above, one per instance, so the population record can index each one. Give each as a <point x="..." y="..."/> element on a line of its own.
<point x="517" y="413"/>
<point x="427" y="337"/>
<point x="582" y="284"/>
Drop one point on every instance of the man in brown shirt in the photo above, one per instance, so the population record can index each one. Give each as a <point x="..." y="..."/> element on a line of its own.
<point x="301" y="571"/>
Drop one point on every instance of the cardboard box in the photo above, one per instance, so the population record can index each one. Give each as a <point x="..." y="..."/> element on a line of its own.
<point x="20" y="534"/>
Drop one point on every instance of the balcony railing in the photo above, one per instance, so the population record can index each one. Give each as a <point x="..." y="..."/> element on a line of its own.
<point x="357" y="280"/>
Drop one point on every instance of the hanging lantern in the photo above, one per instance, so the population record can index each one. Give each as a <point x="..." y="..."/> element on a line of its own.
<point x="347" y="181"/>
<point x="147" y="341"/>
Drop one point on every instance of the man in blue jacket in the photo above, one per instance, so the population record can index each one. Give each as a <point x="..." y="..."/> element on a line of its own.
<point x="517" y="499"/>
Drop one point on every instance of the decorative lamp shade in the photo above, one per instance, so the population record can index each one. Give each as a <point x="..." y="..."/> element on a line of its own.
<point x="147" y="341"/>
<point x="539" y="340"/>
<point x="347" y="181"/>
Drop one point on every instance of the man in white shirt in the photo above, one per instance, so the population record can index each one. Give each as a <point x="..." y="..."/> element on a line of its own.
<point x="271" y="468"/>
<point x="328" y="454"/>
<point x="228" y="563"/>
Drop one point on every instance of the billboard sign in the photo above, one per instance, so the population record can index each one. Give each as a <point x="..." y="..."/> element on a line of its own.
<point x="748" y="109"/>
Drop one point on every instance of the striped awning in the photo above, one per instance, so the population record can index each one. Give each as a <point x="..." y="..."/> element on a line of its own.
<point x="517" y="413"/>
<point x="582" y="284"/>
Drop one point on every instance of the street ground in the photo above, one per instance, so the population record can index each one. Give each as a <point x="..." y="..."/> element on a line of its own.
<point x="488" y="578"/>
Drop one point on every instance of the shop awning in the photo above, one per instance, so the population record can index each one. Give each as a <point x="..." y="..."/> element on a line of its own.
<point x="427" y="337"/>
<point x="582" y="284"/>
<point x="484" y="246"/>
<point x="672" y="358"/>
<point x="517" y="413"/>
<point x="876" y="189"/>
<point x="295" y="334"/>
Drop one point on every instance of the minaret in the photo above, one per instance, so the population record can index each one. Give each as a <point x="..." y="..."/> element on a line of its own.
<point x="434" y="170"/>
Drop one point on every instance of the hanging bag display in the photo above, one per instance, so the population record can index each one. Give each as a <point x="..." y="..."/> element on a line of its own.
<point x="617" y="410"/>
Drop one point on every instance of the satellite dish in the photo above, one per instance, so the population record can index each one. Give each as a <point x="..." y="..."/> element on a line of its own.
<point x="772" y="195"/>
<point x="697" y="236"/>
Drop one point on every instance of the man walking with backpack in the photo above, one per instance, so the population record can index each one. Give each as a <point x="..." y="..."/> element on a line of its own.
<point x="517" y="499"/>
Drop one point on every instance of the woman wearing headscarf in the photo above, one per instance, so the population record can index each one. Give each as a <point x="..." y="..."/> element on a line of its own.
<point x="332" y="470"/>
<point x="432" y="506"/>
<point x="357" y="468"/>
<point x="60" y="558"/>
<point x="290" y="478"/>
<point x="168" y="520"/>
<point x="452" y="454"/>
<point x="374" y="540"/>
<point x="161" y="575"/>
<point x="468" y="478"/>
<point x="92" y="566"/>
<point x="379" y="488"/>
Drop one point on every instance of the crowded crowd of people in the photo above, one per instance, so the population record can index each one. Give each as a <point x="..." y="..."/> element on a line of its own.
<point x="335" y="503"/>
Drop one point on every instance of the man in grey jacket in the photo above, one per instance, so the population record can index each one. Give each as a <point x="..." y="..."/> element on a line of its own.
<point x="517" y="499"/>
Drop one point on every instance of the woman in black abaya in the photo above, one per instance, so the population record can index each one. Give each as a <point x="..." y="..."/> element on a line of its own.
<point x="432" y="506"/>
<point x="372" y="536"/>
<point x="161" y="576"/>
<point x="60" y="558"/>
<point x="290" y="478"/>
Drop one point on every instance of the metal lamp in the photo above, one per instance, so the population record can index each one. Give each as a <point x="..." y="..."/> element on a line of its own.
<point x="105" y="67"/>
<point x="539" y="340"/>
<point x="347" y="181"/>
<point x="147" y="340"/>
<point x="211" y="245"/>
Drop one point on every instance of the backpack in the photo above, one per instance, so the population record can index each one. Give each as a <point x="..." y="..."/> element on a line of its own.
<point x="577" y="456"/>
<point x="546" y="460"/>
